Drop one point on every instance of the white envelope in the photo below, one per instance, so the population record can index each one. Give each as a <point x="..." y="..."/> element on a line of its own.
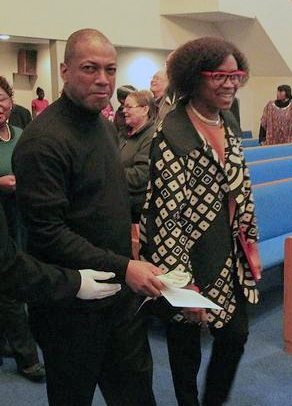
<point x="178" y="297"/>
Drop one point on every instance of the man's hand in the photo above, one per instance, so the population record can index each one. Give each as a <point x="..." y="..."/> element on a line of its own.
<point x="90" y="289"/>
<point x="141" y="278"/>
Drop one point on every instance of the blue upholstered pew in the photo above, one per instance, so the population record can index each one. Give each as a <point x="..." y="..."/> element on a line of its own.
<point x="246" y="134"/>
<point x="250" y="142"/>
<point x="268" y="152"/>
<point x="269" y="170"/>
<point x="274" y="214"/>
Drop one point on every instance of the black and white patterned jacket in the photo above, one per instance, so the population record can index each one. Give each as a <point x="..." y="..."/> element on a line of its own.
<point x="185" y="221"/>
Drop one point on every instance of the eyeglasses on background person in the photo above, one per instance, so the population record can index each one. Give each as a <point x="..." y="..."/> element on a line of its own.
<point x="126" y="106"/>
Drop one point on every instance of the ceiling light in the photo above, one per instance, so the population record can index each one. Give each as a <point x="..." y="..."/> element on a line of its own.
<point x="4" y="36"/>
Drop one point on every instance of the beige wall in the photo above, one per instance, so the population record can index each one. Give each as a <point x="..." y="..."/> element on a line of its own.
<point x="135" y="66"/>
<point x="24" y="89"/>
<point x="130" y="23"/>
<point x="133" y="23"/>
<point x="274" y="16"/>
<point x="138" y="30"/>
<point x="255" y="95"/>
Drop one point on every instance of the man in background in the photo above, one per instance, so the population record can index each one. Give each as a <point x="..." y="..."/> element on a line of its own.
<point x="158" y="86"/>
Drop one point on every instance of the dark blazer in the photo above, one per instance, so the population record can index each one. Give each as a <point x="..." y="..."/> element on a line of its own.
<point x="29" y="280"/>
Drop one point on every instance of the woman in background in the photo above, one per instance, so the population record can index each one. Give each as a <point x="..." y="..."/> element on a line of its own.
<point x="119" y="120"/>
<point x="276" y="121"/>
<point x="199" y="200"/>
<point x="139" y="110"/>
<point x="13" y="319"/>
<point x="40" y="103"/>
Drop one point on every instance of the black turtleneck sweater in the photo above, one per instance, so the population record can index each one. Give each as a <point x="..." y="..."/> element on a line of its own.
<point x="71" y="189"/>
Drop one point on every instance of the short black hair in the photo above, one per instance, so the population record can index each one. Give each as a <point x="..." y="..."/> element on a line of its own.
<point x="39" y="90"/>
<point x="286" y="89"/>
<point x="123" y="91"/>
<point x="204" y="54"/>
<point x="85" y="34"/>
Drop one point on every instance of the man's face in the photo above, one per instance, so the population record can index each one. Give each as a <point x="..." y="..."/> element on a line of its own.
<point x="89" y="77"/>
<point x="158" y="84"/>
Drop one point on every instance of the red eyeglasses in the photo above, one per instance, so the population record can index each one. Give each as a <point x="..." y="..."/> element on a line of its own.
<point x="220" y="77"/>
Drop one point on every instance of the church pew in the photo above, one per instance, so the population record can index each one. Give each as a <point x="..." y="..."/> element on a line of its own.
<point x="270" y="169"/>
<point x="267" y="152"/>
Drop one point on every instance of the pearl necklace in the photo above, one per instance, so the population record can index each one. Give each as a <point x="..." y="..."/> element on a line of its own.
<point x="214" y="123"/>
<point x="9" y="135"/>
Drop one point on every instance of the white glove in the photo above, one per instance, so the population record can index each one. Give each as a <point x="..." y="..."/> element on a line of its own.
<point x="90" y="289"/>
<point x="175" y="279"/>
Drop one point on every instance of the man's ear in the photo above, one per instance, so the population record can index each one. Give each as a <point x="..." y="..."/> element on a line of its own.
<point x="63" y="71"/>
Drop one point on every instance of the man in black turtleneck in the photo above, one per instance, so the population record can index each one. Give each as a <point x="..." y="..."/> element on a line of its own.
<point x="73" y="198"/>
<point x="276" y="120"/>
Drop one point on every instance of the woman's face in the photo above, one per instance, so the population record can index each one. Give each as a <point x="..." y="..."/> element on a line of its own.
<point x="281" y="95"/>
<point x="212" y="96"/>
<point x="134" y="114"/>
<point x="5" y="106"/>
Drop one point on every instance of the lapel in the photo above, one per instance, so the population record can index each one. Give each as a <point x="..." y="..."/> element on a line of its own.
<point x="183" y="138"/>
<point x="234" y="164"/>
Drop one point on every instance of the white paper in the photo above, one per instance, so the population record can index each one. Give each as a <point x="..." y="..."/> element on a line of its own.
<point x="178" y="297"/>
<point x="144" y="301"/>
<point x="176" y="279"/>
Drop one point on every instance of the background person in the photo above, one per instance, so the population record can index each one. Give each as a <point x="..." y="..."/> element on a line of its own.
<point x="158" y="86"/>
<point x="108" y="112"/>
<point x="19" y="116"/>
<point x="198" y="199"/>
<point x="119" y="120"/>
<point x="26" y="279"/>
<point x="74" y="199"/>
<point x="139" y="109"/>
<point x="40" y="103"/>
<point x="276" y="121"/>
<point x="14" y="328"/>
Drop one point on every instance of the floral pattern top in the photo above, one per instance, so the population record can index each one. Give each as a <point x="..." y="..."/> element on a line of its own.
<point x="277" y="122"/>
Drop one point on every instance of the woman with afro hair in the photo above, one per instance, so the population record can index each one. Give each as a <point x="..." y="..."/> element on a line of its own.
<point x="199" y="207"/>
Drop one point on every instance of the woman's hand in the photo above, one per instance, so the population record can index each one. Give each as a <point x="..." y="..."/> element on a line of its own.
<point x="8" y="183"/>
<point x="195" y="315"/>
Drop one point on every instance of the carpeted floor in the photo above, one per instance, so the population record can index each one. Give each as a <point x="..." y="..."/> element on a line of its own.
<point x="264" y="377"/>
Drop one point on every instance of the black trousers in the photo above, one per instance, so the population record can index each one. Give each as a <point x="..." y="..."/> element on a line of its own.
<point x="108" y="347"/>
<point x="184" y="350"/>
<point x="14" y="329"/>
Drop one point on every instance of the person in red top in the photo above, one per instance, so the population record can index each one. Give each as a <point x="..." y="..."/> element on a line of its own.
<point x="40" y="104"/>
